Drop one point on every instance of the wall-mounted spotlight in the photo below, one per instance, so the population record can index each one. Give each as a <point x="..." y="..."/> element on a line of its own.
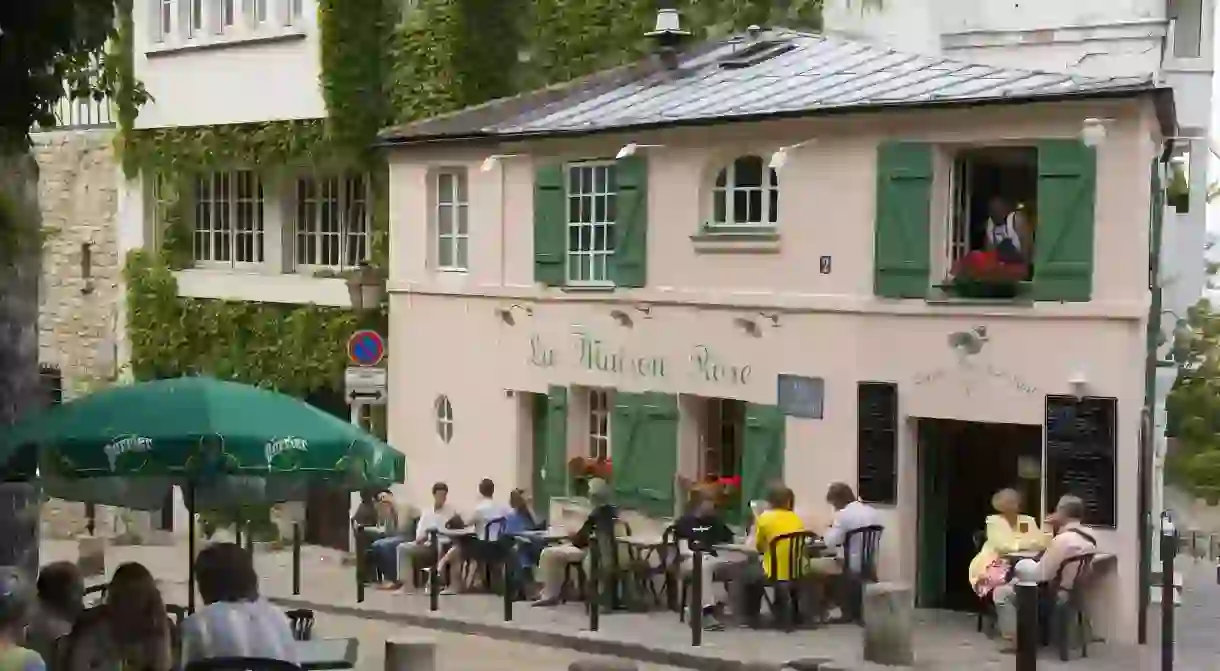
<point x="506" y="314"/>
<point x="779" y="158"/>
<point x="492" y="161"/>
<point x="1078" y="383"/>
<point x="1093" y="131"/>
<point x="631" y="148"/>
<point x="772" y="317"/>
<point x="622" y="318"/>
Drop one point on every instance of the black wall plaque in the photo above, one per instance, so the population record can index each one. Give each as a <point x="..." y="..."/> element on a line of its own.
<point x="877" y="441"/>
<point x="1080" y="455"/>
<point x="800" y="396"/>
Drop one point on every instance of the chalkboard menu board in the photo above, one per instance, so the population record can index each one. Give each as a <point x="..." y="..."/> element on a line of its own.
<point x="877" y="441"/>
<point x="1080" y="454"/>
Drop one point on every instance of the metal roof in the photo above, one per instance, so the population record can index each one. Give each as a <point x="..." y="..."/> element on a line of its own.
<point x="816" y="74"/>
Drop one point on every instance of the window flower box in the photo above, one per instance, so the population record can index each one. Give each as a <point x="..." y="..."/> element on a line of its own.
<point x="982" y="275"/>
<point x="583" y="469"/>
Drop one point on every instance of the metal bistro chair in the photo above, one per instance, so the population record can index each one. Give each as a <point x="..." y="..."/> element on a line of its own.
<point x="860" y="548"/>
<point x="574" y="575"/>
<point x="301" y="622"/>
<point x="486" y="552"/>
<point x="986" y="607"/>
<point x="241" y="664"/>
<point x="785" y="605"/>
<point x="1069" y="602"/>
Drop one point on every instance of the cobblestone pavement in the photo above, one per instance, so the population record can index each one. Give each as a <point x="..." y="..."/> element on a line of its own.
<point x="944" y="641"/>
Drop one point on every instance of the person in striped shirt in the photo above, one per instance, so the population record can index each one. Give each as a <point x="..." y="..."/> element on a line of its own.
<point x="236" y="621"/>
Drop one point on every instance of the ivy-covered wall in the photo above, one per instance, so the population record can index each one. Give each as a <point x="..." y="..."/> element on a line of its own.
<point x="377" y="68"/>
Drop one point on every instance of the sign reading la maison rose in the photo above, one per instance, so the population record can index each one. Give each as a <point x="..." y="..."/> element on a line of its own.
<point x="592" y="354"/>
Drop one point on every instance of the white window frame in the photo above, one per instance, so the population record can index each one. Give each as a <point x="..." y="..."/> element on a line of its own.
<point x="348" y="194"/>
<point x="233" y="208"/>
<point x="165" y="17"/>
<point x="228" y="14"/>
<point x="260" y="11"/>
<point x="600" y="405"/>
<point x="725" y="188"/>
<point x="194" y="27"/>
<point x="451" y="188"/>
<point x="444" y="418"/>
<point x="600" y="257"/>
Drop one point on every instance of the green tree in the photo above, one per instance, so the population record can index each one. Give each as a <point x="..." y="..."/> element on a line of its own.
<point x="1193" y="406"/>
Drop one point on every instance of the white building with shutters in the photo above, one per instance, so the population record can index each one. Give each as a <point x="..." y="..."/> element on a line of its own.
<point x="745" y="264"/>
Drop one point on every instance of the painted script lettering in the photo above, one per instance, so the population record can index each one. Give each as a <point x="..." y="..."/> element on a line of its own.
<point x="710" y="369"/>
<point x="124" y="445"/>
<point x="279" y="445"/>
<point x="541" y="355"/>
<point x="595" y="355"/>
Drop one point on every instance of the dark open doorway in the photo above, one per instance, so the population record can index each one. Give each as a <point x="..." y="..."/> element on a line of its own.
<point x="961" y="465"/>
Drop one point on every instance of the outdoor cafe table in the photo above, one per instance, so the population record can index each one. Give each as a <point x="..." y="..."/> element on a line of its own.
<point x="327" y="653"/>
<point x="548" y="536"/>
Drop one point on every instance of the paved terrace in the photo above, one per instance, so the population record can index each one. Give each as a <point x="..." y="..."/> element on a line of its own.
<point x="943" y="641"/>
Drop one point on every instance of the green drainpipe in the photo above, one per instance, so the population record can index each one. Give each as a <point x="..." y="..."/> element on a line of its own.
<point x="1148" y="442"/>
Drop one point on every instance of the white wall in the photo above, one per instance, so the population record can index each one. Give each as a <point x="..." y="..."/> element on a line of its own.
<point x="246" y="73"/>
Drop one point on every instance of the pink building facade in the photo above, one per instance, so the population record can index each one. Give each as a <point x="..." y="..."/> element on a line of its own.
<point x="768" y="299"/>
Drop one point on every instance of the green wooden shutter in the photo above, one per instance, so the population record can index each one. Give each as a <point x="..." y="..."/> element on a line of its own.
<point x="550" y="224"/>
<point x="555" y="468"/>
<point x="762" y="456"/>
<point x="902" y="236"/>
<point x="1063" y="244"/>
<point x="644" y="450"/>
<point x="630" y="260"/>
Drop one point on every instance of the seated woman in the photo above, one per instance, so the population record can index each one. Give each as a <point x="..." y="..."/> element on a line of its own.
<point x="520" y="521"/>
<point x="130" y="631"/>
<point x="1007" y="532"/>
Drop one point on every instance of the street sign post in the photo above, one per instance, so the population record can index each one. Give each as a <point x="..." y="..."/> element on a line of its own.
<point x="366" y="348"/>
<point x="365" y="386"/>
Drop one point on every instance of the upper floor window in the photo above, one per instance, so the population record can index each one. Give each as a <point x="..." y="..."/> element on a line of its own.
<point x="452" y="220"/>
<point x="260" y="11"/>
<point x="332" y="228"/>
<point x="600" y="411"/>
<point x="228" y="11"/>
<point x="166" y="16"/>
<point x="591" y="223"/>
<point x="229" y="218"/>
<point x="1012" y="221"/>
<point x="746" y="193"/>
<point x="591" y="195"/>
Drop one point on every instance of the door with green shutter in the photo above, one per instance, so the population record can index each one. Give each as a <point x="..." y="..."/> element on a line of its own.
<point x="630" y="261"/>
<point x="762" y="456"/>
<point x="550" y="225"/>
<point x="644" y="447"/>
<point x="553" y="466"/>
<point x="902" y="234"/>
<point x="1063" y="239"/>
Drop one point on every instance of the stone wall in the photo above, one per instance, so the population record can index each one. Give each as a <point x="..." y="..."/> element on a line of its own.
<point x="78" y="192"/>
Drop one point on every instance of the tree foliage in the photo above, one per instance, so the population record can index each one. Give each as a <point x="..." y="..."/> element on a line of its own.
<point x="1193" y="406"/>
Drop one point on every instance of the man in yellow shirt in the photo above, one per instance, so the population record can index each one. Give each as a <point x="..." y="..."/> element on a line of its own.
<point x="777" y="520"/>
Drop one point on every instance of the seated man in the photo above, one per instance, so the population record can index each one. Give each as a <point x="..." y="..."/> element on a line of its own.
<point x="701" y="527"/>
<point x="1071" y="540"/>
<point x="397" y="522"/>
<point x="777" y="520"/>
<point x="61" y="592"/>
<point x="554" y="561"/>
<point x="486" y="510"/>
<point x="420" y="550"/>
<point x="850" y="515"/>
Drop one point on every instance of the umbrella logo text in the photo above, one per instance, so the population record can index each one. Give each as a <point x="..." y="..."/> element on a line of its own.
<point x="278" y="446"/>
<point x="124" y="445"/>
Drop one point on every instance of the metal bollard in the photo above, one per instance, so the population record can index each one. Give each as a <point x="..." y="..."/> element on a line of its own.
<point x="508" y="584"/>
<point x="434" y="579"/>
<point x="359" y="577"/>
<point x="1028" y="634"/>
<point x="1169" y="546"/>
<point x="593" y="591"/>
<point x="696" y="596"/>
<point x="296" y="559"/>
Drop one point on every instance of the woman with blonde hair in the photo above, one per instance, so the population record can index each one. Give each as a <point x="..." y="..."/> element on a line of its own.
<point x="1007" y="532"/>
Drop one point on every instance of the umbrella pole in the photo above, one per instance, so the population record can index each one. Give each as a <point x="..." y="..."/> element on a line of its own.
<point x="296" y="559"/>
<point x="190" y="548"/>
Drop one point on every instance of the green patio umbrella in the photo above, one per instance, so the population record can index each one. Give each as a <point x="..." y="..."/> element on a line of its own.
<point x="224" y="443"/>
<point x="233" y="442"/>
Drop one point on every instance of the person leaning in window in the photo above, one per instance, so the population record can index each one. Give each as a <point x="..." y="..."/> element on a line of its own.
<point x="129" y="632"/>
<point x="235" y="621"/>
<point x="61" y="593"/>
<point x="1072" y="539"/>
<point x="777" y="520"/>
<point x="1007" y="532"/>
<point x="14" y="602"/>
<point x="703" y="528"/>
<point x="554" y="561"/>
<point x="437" y="517"/>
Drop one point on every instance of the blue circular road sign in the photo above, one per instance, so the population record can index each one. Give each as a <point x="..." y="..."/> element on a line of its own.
<point x="366" y="348"/>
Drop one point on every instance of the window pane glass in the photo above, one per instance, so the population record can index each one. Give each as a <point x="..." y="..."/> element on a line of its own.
<point x="747" y="171"/>
<point x="444" y="252"/>
<point x="461" y="260"/>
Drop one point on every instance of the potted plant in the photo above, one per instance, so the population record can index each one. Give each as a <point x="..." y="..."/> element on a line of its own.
<point x="982" y="274"/>
<point x="583" y="469"/>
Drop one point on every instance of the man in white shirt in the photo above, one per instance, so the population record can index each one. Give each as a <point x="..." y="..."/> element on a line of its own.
<point x="850" y="515"/>
<point x="1071" y="540"/>
<point x="421" y="548"/>
<point x="236" y="622"/>
<point x="486" y="510"/>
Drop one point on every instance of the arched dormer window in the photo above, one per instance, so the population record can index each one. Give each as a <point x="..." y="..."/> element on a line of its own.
<point x="746" y="195"/>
